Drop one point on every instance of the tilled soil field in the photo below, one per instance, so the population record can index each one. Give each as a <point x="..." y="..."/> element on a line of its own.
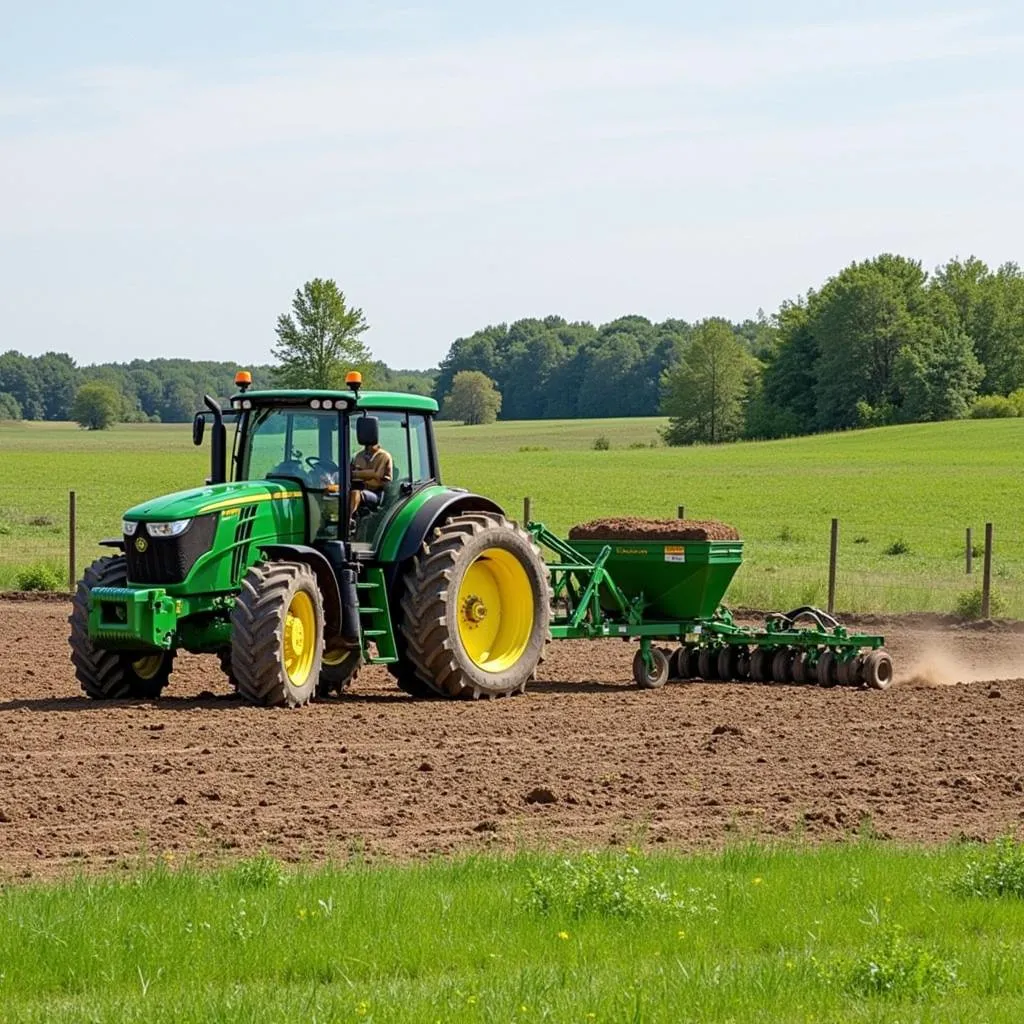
<point x="583" y="758"/>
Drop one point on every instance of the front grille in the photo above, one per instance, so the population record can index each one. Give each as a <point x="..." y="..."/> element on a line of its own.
<point x="243" y="531"/>
<point x="168" y="559"/>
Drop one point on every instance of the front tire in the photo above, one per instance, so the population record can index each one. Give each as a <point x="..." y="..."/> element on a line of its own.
<point x="112" y="675"/>
<point x="277" y="634"/>
<point x="477" y="608"/>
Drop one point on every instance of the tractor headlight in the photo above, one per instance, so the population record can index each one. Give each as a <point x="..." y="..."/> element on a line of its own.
<point x="128" y="527"/>
<point x="172" y="529"/>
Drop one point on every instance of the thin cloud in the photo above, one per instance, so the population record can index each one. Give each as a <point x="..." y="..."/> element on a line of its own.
<point x="144" y="145"/>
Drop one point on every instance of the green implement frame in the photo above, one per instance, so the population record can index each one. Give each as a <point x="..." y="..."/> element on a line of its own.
<point x="589" y="603"/>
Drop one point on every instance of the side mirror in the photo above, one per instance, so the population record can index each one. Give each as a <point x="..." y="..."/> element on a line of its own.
<point x="198" y="428"/>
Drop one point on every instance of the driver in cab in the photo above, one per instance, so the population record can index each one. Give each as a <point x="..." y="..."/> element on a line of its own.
<point x="372" y="467"/>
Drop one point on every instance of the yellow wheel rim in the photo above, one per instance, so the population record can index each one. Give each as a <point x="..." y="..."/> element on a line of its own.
<point x="300" y="639"/>
<point x="146" y="668"/>
<point x="495" y="610"/>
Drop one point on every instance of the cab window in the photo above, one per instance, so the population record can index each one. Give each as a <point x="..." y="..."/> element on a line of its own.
<point x="406" y="439"/>
<point x="290" y="443"/>
<point x="419" y="449"/>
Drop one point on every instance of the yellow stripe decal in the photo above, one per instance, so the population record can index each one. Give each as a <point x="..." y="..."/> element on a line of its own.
<point x="249" y="499"/>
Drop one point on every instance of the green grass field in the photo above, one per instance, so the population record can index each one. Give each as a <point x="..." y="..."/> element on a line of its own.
<point x="912" y="489"/>
<point x="858" y="932"/>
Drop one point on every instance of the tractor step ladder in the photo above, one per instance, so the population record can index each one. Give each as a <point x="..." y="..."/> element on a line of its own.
<point x="375" y="617"/>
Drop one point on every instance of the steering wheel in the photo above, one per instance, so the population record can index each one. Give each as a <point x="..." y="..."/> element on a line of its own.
<point x="321" y="467"/>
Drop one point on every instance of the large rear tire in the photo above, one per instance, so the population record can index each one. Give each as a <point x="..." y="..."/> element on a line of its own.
<point x="112" y="675"/>
<point x="477" y="608"/>
<point x="277" y="634"/>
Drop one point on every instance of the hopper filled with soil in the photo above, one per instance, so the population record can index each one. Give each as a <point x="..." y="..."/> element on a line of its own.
<point x="635" y="528"/>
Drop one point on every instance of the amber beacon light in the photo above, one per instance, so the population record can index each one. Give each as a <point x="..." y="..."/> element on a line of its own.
<point x="243" y="380"/>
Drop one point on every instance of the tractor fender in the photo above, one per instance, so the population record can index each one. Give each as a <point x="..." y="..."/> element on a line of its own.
<point x="325" y="578"/>
<point x="432" y="512"/>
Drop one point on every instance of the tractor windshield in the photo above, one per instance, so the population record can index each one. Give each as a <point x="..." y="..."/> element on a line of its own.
<point x="302" y="444"/>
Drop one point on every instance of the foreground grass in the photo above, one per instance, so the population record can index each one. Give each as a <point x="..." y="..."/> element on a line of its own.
<point x="860" y="932"/>
<point x="911" y="489"/>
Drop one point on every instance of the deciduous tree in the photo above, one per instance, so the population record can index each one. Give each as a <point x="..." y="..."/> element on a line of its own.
<point x="96" y="406"/>
<point x="704" y="393"/>
<point x="319" y="341"/>
<point x="473" y="399"/>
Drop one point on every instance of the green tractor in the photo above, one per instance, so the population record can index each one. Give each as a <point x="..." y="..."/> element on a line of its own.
<point x="266" y="567"/>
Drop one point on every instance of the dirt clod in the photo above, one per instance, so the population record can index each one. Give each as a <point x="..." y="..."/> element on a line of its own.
<point x="633" y="528"/>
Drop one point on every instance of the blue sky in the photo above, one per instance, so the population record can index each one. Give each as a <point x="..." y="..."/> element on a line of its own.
<point x="169" y="176"/>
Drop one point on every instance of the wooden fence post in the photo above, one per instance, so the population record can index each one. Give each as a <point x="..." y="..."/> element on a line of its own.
<point x="72" y="531"/>
<point x="526" y="511"/>
<point x="681" y="512"/>
<point x="832" y="555"/>
<point x="970" y="551"/>
<point x="986" y="579"/>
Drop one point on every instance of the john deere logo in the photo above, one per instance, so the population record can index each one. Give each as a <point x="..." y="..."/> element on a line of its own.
<point x="141" y="544"/>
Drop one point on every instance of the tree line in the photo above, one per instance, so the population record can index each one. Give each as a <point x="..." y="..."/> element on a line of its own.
<point x="883" y="341"/>
<point x="143" y="390"/>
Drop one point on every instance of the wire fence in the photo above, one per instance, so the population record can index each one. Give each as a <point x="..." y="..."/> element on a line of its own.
<point x="963" y="572"/>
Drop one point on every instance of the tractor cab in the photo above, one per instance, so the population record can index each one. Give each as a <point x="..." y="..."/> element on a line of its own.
<point x="307" y="439"/>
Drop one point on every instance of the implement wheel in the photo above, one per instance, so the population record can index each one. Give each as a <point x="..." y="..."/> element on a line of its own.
<point x="707" y="663"/>
<point x="761" y="664"/>
<point x="782" y="665"/>
<point x="477" y="608"/>
<point x="678" y="662"/>
<point x="877" y="671"/>
<point x="692" y="663"/>
<point x="277" y="634"/>
<point x="742" y="655"/>
<point x="727" y="664"/>
<point x="848" y="672"/>
<point x="800" y="668"/>
<point x="827" y="669"/>
<point x="651" y="679"/>
<point x="109" y="675"/>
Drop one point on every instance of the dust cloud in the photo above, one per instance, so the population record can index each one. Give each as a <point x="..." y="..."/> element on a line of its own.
<point x="943" y="668"/>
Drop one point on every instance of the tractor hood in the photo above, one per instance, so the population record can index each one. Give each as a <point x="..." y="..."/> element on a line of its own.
<point x="216" y="498"/>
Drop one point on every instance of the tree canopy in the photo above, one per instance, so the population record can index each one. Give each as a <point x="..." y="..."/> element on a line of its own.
<point x="151" y="390"/>
<point x="881" y="341"/>
<point x="705" y="392"/>
<point x="473" y="399"/>
<point x="96" y="406"/>
<point x="318" y="342"/>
